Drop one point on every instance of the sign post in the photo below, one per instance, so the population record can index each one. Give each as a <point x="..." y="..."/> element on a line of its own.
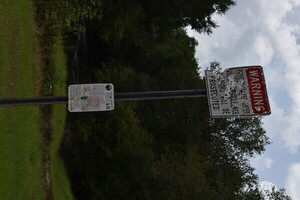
<point x="77" y="98"/>
<point x="236" y="92"/>
<point x="239" y="91"/>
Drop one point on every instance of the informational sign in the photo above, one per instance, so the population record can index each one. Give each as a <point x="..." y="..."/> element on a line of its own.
<point x="91" y="97"/>
<point x="239" y="91"/>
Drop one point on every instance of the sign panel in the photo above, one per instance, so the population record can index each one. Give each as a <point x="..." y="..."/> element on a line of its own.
<point x="239" y="91"/>
<point x="91" y="97"/>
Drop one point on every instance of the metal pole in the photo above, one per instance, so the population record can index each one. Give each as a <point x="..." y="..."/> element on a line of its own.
<point x="132" y="96"/>
<point x="172" y="94"/>
<point x="31" y="101"/>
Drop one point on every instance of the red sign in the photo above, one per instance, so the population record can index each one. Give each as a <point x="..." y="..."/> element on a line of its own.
<point x="257" y="90"/>
<point x="238" y="91"/>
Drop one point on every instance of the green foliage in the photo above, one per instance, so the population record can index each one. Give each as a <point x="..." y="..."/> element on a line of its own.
<point x="158" y="18"/>
<point x="117" y="153"/>
<point x="125" y="79"/>
<point x="179" y="176"/>
<point x="61" y="15"/>
<point x="118" y="17"/>
<point x="166" y="14"/>
<point x="276" y="194"/>
<point x="167" y="149"/>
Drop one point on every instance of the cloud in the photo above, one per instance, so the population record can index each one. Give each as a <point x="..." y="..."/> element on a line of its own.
<point x="262" y="163"/>
<point x="268" y="163"/>
<point x="264" y="49"/>
<point x="266" y="33"/>
<point x="283" y="125"/>
<point x="279" y="124"/>
<point x="293" y="181"/>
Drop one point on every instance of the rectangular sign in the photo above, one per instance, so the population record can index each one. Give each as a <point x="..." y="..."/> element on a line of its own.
<point x="239" y="91"/>
<point x="91" y="97"/>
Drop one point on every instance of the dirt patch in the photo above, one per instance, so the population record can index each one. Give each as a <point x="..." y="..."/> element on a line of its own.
<point x="45" y="112"/>
<point x="42" y="60"/>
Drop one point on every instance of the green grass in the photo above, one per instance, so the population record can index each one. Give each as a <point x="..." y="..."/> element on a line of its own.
<point x="21" y="170"/>
<point x="60" y="182"/>
<point x="20" y="152"/>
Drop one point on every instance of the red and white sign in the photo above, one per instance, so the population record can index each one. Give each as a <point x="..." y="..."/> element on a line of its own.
<point x="239" y="91"/>
<point x="257" y="90"/>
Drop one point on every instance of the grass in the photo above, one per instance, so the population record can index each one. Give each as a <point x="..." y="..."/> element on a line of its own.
<point x="21" y="142"/>
<point x="20" y="166"/>
<point x="58" y="174"/>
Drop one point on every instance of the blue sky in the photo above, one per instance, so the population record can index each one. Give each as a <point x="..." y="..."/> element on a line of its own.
<point x="267" y="33"/>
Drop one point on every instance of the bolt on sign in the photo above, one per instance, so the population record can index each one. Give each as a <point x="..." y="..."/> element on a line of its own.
<point x="91" y="97"/>
<point x="239" y="91"/>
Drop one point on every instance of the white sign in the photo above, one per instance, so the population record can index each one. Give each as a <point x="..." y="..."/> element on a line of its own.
<point x="91" y="97"/>
<point x="239" y="91"/>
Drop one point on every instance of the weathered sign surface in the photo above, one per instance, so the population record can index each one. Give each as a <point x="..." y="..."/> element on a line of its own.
<point x="91" y="97"/>
<point x="239" y="91"/>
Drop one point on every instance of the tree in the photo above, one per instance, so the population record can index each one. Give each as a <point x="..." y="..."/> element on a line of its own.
<point x="179" y="14"/>
<point x="168" y="149"/>
<point x="276" y="194"/>
<point x="59" y="16"/>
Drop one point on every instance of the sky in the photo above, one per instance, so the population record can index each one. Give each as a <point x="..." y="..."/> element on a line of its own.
<point x="266" y="33"/>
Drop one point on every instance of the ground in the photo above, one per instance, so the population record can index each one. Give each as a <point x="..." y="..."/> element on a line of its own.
<point x="30" y="167"/>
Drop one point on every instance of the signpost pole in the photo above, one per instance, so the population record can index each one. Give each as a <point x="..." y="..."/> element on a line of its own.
<point x="132" y="96"/>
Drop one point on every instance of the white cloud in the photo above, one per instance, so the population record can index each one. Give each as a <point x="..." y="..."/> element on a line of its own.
<point x="262" y="163"/>
<point x="276" y="121"/>
<point x="284" y="126"/>
<point x="264" y="50"/>
<point x="268" y="33"/>
<point x="268" y="163"/>
<point x="293" y="181"/>
<point x="286" y="48"/>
